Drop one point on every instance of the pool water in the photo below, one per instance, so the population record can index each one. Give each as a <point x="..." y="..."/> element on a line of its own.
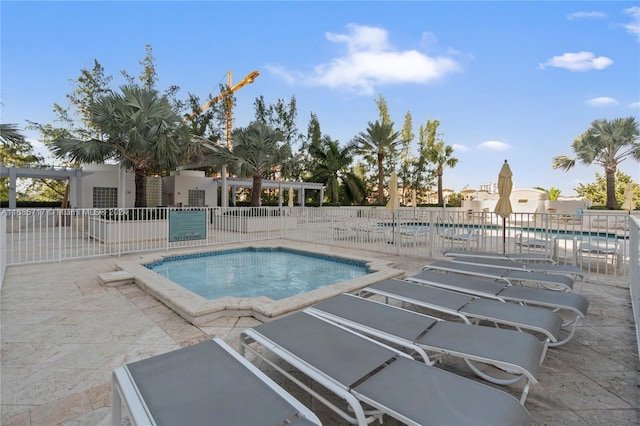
<point x="276" y="273"/>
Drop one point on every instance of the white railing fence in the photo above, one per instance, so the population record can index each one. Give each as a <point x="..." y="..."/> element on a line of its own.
<point x="634" y="272"/>
<point x="598" y="241"/>
<point x="3" y="247"/>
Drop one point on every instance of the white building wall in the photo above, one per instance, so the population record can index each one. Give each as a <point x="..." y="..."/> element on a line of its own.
<point x="106" y="176"/>
<point x="176" y="187"/>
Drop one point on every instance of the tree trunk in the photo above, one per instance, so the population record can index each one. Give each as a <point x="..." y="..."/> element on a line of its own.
<point x="610" y="173"/>
<point x="380" y="180"/>
<point x="440" y="196"/>
<point x="141" y="186"/>
<point x="256" y="190"/>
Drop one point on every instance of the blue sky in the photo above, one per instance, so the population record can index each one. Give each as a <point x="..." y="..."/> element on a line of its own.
<point x="507" y="80"/>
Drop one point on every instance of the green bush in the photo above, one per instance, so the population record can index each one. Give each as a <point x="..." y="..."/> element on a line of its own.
<point x="32" y="204"/>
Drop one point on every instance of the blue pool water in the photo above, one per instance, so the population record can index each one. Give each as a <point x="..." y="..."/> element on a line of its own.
<point x="276" y="273"/>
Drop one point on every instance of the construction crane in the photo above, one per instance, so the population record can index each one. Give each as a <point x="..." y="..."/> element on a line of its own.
<point x="226" y="95"/>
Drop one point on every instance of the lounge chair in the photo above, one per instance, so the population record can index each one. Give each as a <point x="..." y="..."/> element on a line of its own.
<point x="453" y="236"/>
<point x="374" y="379"/>
<point x="518" y="257"/>
<point x="470" y="309"/>
<point x="569" y="270"/>
<point x="519" y="354"/>
<point x="538" y="244"/>
<point x="598" y="249"/>
<point x="201" y="384"/>
<point x="362" y="233"/>
<point x="510" y="276"/>
<point x="414" y="235"/>
<point x="574" y="304"/>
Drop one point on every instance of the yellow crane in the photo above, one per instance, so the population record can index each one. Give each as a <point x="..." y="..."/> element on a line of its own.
<point x="227" y="96"/>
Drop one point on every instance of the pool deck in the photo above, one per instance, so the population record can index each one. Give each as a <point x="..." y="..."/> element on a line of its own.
<point x="63" y="333"/>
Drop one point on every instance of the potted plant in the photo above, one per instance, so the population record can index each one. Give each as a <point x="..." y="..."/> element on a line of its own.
<point x="552" y="198"/>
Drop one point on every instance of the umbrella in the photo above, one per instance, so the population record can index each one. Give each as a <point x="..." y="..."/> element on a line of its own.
<point x="628" y="198"/>
<point x="503" y="207"/>
<point x="414" y="201"/>
<point x="291" y="197"/>
<point x="394" y="202"/>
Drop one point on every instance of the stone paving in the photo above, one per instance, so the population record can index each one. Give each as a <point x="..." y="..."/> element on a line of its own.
<point x="63" y="333"/>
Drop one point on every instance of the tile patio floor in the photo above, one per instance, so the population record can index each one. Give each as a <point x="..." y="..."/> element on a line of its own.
<point x="62" y="334"/>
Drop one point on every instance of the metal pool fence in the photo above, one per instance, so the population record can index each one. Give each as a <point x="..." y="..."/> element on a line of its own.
<point x="600" y="242"/>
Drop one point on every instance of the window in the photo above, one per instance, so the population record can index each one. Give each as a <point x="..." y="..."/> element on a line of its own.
<point x="196" y="197"/>
<point x="105" y="198"/>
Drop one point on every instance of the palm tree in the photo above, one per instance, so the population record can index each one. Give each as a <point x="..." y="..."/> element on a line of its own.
<point x="607" y="143"/>
<point x="257" y="150"/>
<point x="9" y="133"/>
<point x="330" y="166"/>
<point x="139" y="129"/>
<point x="439" y="155"/>
<point x="376" y="144"/>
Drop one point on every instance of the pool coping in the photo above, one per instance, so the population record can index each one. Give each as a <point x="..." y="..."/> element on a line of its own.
<point x="198" y="310"/>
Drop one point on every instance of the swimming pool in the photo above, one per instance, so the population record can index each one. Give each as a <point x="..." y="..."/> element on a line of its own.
<point x="273" y="272"/>
<point x="198" y="310"/>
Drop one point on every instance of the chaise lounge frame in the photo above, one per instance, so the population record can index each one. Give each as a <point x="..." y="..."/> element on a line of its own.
<point x="200" y="384"/>
<point x="518" y="354"/>
<point x="374" y="379"/>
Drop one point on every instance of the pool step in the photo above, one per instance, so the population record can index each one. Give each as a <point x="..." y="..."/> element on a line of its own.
<point x="116" y="278"/>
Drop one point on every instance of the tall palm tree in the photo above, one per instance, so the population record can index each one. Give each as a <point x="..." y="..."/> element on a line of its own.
<point x="257" y="150"/>
<point x="139" y="129"/>
<point x="606" y="143"/>
<point x="330" y="166"/>
<point x="377" y="143"/>
<point x="439" y="155"/>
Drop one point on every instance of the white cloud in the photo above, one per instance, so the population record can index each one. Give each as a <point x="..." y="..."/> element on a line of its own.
<point x="601" y="101"/>
<point x="460" y="148"/>
<point x="370" y="61"/>
<point x="580" y="61"/>
<point x="279" y="71"/>
<point x="583" y="15"/>
<point x="634" y="104"/>
<point x="494" y="146"/>
<point x="633" y="27"/>
<point x="428" y="40"/>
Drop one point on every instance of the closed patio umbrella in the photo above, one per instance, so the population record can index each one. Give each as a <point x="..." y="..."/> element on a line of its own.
<point x="290" y="197"/>
<point x="503" y="207"/>
<point x="394" y="202"/>
<point x="628" y="198"/>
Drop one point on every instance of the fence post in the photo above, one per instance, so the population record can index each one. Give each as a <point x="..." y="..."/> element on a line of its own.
<point x="3" y="245"/>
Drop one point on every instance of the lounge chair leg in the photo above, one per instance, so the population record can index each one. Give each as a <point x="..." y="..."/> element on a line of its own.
<point x="116" y="407"/>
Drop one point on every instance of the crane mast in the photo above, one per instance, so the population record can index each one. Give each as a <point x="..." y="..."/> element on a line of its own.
<point x="228" y="99"/>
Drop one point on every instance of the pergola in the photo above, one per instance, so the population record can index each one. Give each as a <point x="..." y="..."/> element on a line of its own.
<point x="280" y="185"/>
<point x="41" y="172"/>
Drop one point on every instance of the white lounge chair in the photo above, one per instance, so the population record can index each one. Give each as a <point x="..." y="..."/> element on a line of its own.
<point x="453" y="236"/>
<point x="549" y="246"/>
<point x="202" y="384"/>
<point x="470" y="309"/>
<point x="606" y="249"/>
<point x="374" y="379"/>
<point x="569" y="270"/>
<point x="510" y="276"/>
<point x="522" y="257"/>
<point x="574" y="304"/>
<point x="414" y="235"/>
<point x="519" y="354"/>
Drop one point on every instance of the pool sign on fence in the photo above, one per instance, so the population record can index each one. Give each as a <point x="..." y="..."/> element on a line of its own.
<point x="187" y="225"/>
